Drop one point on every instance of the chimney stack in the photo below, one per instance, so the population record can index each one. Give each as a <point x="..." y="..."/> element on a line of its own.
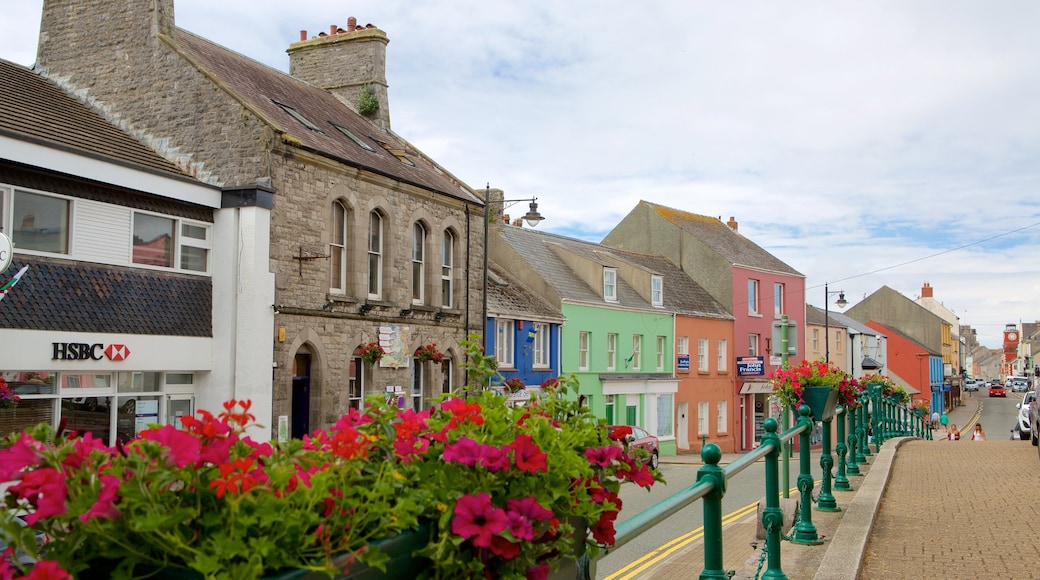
<point x="732" y="223"/>
<point x="347" y="63"/>
<point x="926" y="290"/>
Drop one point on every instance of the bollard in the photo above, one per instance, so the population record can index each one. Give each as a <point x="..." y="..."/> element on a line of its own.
<point x="805" y="531"/>
<point x="825" y="502"/>
<point x="841" y="482"/>
<point x="772" y="515"/>
<point x="711" y="454"/>
<point x="855" y="455"/>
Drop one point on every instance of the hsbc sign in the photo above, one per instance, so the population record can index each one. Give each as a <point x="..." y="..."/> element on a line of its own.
<point x="84" y="351"/>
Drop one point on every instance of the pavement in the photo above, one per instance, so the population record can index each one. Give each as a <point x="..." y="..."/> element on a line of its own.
<point x="920" y="509"/>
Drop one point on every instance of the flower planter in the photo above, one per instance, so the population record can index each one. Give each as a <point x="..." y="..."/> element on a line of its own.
<point x="822" y="402"/>
<point x="402" y="564"/>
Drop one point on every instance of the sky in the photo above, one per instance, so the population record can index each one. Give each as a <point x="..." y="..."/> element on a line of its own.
<point x="864" y="143"/>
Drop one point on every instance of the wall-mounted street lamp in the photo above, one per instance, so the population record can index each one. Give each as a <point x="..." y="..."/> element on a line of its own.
<point x="842" y="303"/>
<point x="532" y="218"/>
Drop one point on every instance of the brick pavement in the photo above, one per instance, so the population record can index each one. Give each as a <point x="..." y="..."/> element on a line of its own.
<point x="922" y="509"/>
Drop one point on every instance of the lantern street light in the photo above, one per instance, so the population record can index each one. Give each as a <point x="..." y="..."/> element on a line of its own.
<point x="842" y="303"/>
<point x="532" y="217"/>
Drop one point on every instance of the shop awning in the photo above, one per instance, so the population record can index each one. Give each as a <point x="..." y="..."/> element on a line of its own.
<point x="756" y="387"/>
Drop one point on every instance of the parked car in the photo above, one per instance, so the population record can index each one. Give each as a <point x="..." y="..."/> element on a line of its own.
<point x="1025" y="429"/>
<point x="973" y="384"/>
<point x="1019" y="385"/>
<point x="1034" y="419"/>
<point x="640" y="439"/>
<point x="997" y="391"/>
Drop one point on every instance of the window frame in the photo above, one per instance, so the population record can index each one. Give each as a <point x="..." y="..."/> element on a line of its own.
<point x="722" y="420"/>
<point x="702" y="354"/>
<point x="338" y="248"/>
<point x="722" y="354"/>
<point x="505" y="342"/>
<point x="179" y="242"/>
<point x="752" y="297"/>
<point x="656" y="291"/>
<point x="610" y="284"/>
<point x="754" y="344"/>
<point x="637" y="352"/>
<point x="662" y="344"/>
<point x="419" y="236"/>
<point x="448" y="269"/>
<point x="612" y="351"/>
<point x="540" y="354"/>
<point x="376" y="245"/>
<point x="584" y="338"/>
<point x="778" y="299"/>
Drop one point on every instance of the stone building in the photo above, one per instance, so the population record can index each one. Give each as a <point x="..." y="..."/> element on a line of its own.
<point x="362" y="237"/>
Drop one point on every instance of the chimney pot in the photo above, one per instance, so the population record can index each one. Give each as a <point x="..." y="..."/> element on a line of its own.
<point x="351" y="24"/>
<point x="303" y="35"/>
<point x="332" y="28"/>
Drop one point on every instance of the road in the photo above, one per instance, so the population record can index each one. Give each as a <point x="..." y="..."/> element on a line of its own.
<point x="998" y="416"/>
<point x="742" y="495"/>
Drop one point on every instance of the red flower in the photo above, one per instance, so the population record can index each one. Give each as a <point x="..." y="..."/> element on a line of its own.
<point x="528" y="456"/>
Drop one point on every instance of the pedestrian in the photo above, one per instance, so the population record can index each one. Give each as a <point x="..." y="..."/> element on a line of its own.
<point x="945" y="420"/>
<point x="952" y="433"/>
<point x="978" y="434"/>
<point x="935" y="419"/>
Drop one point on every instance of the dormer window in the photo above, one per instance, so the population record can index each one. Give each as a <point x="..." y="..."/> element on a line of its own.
<point x="298" y="116"/>
<point x="657" y="291"/>
<point x="610" y="284"/>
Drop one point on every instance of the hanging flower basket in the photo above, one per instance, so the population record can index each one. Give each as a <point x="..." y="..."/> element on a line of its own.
<point x="429" y="353"/>
<point x="370" y="353"/>
<point x="820" y="385"/>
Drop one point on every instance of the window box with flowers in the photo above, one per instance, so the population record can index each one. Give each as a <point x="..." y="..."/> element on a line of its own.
<point x="478" y="488"/>
<point x="8" y="398"/>
<point x="429" y="353"/>
<point x="370" y="352"/>
<point x="820" y="385"/>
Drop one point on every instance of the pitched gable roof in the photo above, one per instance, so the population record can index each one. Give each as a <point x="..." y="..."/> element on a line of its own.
<point x="681" y="294"/>
<point x="718" y="236"/>
<point x="35" y="110"/>
<point x="260" y="88"/>
<point x="507" y="296"/>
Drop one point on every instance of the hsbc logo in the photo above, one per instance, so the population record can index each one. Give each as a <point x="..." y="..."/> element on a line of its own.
<point x="84" y="351"/>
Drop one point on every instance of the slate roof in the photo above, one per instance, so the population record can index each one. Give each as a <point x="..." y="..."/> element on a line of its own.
<point x="537" y="248"/>
<point x="60" y="295"/>
<point x="718" y="236"/>
<point x="681" y="294"/>
<point x="854" y="324"/>
<point x="35" y="110"/>
<point x="814" y="315"/>
<point x="508" y="297"/>
<point x="257" y="86"/>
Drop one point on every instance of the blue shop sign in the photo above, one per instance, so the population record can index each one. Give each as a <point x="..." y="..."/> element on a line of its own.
<point x="751" y="366"/>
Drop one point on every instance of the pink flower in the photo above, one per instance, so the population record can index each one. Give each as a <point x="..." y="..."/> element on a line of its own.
<point x="504" y="548"/>
<point x="105" y="507"/>
<point x="45" y="489"/>
<point x="465" y="451"/>
<point x="603" y="532"/>
<point x="494" y="458"/>
<point x="529" y="457"/>
<point x="603" y="456"/>
<point x="182" y="448"/>
<point x="523" y="513"/>
<point x="47" y="570"/>
<point x="24" y="453"/>
<point x="476" y="518"/>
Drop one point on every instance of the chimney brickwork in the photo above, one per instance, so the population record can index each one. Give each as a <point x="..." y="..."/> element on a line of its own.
<point x="344" y="62"/>
<point x="926" y="290"/>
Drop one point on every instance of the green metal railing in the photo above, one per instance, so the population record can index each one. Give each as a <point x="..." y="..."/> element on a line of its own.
<point x="874" y="418"/>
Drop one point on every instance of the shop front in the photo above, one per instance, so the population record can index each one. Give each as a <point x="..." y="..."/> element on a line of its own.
<point x="112" y="386"/>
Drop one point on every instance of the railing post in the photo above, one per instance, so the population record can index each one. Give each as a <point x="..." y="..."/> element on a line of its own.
<point x="855" y="452"/>
<point x="864" y="426"/>
<point x="825" y="502"/>
<point x="711" y="454"/>
<point x="805" y="531"/>
<point x="772" y="516"/>
<point x="841" y="482"/>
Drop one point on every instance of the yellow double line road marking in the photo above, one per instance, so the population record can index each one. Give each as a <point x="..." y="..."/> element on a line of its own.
<point x="655" y="556"/>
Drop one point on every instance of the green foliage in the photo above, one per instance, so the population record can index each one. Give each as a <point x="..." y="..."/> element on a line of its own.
<point x="367" y="103"/>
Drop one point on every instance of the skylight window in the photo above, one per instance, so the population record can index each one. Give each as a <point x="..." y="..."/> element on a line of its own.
<point x="298" y="116"/>
<point x="400" y="154"/>
<point x="354" y="138"/>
